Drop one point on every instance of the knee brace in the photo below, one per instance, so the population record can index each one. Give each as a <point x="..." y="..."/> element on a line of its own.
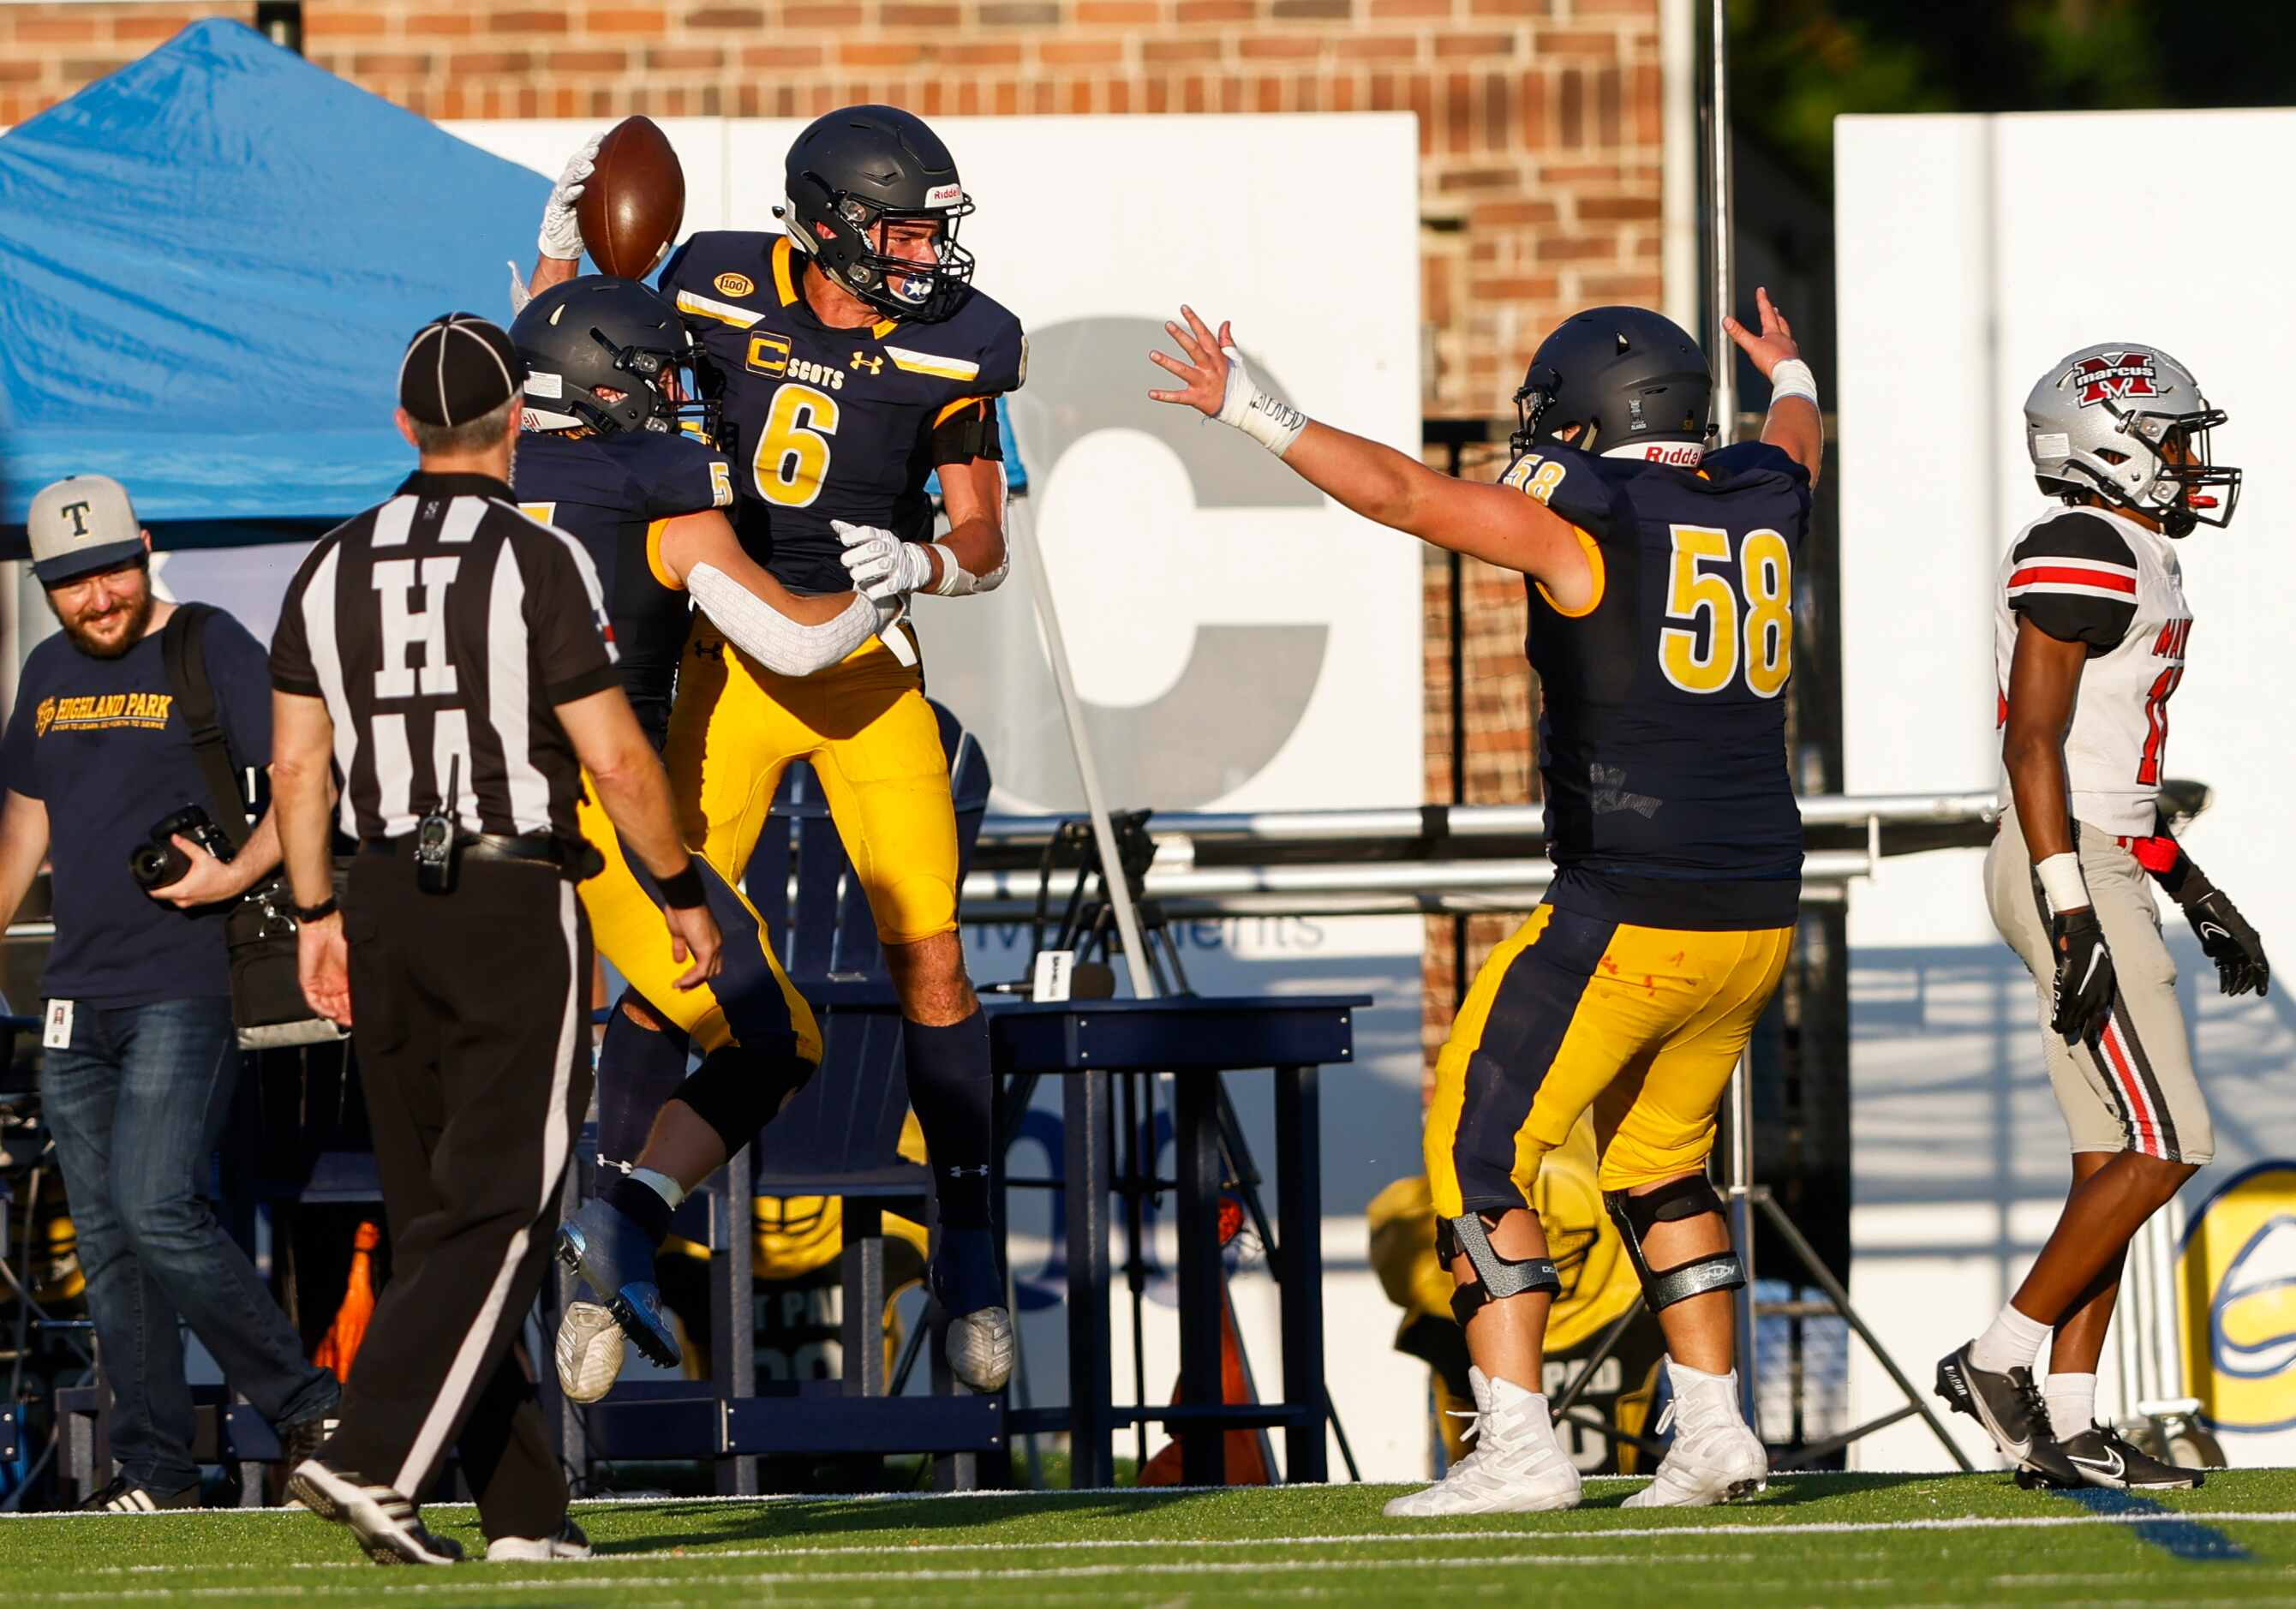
<point x="738" y="1092"/>
<point x="1636" y="1215"/>
<point x="1497" y="1278"/>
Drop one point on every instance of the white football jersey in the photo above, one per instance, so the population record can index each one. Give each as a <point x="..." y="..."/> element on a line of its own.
<point x="2090" y="576"/>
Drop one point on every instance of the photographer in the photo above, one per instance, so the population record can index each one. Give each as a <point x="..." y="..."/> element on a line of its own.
<point x="141" y="1055"/>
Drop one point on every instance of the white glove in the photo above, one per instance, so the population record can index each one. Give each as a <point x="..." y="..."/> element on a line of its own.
<point x="882" y="566"/>
<point x="562" y="232"/>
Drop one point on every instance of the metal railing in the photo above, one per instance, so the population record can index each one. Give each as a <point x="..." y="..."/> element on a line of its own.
<point x="1431" y="859"/>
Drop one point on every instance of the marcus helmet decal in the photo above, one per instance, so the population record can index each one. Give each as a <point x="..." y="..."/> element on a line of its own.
<point x="2112" y="376"/>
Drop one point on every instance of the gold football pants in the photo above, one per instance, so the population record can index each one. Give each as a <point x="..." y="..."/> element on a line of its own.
<point x="1642" y="1024"/>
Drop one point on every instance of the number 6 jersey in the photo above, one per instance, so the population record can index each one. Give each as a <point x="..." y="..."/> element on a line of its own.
<point x="1663" y="734"/>
<point x="2092" y="577"/>
<point x="826" y="424"/>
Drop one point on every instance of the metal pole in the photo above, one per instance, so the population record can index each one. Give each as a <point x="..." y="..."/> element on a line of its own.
<point x="1021" y="530"/>
<point x="1740" y="1193"/>
<point x="1718" y="160"/>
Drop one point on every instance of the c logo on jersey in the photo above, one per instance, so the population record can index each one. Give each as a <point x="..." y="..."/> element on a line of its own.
<point x="2115" y="374"/>
<point x="768" y="355"/>
<point x="734" y="285"/>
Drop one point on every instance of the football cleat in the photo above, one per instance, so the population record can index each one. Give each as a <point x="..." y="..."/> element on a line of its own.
<point x="297" y="1443"/>
<point x="963" y="1279"/>
<point x="2009" y="1406"/>
<point x="589" y="1352"/>
<point x="1714" y="1457"/>
<point x="385" y="1520"/>
<point x="2107" y="1458"/>
<point x="566" y="1542"/>
<point x="124" y="1496"/>
<point x="614" y="1257"/>
<point x="1516" y="1467"/>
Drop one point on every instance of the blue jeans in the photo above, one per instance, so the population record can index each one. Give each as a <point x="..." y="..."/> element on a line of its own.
<point x="136" y="1103"/>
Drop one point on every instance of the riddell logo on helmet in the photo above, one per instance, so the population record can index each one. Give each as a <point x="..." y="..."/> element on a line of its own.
<point x="2115" y="374"/>
<point x="945" y="195"/>
<point x="1673" y="452"/>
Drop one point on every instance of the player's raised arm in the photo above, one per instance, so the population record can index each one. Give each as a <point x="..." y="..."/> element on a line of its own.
<point x="1793" y="426"/>
<point x="1495" y="523"/>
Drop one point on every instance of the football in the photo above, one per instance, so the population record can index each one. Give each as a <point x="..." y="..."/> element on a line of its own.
<point x="634" y="201"/>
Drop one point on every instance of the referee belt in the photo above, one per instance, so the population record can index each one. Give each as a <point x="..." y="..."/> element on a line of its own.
<point x="535" y="849"/>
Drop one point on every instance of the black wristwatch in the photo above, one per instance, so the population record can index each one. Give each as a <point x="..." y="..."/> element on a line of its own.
<point x="315" y="913"/>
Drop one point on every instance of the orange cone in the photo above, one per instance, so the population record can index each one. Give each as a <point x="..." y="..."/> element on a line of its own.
<point x="341" y="1344"/>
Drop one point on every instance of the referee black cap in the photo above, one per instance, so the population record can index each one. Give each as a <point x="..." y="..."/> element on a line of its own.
<point x="458" y="367"/>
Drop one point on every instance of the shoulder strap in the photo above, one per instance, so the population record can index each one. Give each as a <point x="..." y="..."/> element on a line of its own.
<point x="187" y="673"/>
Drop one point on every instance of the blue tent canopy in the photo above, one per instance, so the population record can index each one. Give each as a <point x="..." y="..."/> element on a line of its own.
<point x="212" y="260"/>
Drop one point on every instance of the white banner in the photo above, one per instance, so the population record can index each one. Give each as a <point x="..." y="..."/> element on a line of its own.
<point x="1972" y="253"/>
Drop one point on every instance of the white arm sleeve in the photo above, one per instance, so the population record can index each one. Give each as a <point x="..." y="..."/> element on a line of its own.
<point x="771" y="638"/>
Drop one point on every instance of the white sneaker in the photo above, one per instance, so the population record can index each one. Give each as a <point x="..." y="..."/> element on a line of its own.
<point x="569" y="1543"/>
<point x="1715" y="1459"/>
<point x="589" y="1352"/>
<point x="1516" y="1467"/>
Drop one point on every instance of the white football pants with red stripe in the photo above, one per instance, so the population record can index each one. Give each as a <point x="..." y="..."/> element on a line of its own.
<point x="2135" y="1090"/>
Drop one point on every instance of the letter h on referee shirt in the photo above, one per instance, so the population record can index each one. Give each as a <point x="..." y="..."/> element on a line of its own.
<point x="404" y="625"/>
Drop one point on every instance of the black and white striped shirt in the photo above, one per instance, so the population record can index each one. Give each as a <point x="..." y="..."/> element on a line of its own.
<point x="443" y="628"/>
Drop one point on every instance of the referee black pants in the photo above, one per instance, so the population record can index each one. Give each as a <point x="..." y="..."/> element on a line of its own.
<point x="471" y="1021"/>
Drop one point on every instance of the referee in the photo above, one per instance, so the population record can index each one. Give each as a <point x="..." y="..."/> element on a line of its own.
<point x="448" y="654"/>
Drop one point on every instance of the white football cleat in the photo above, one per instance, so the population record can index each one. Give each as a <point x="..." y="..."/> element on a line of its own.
<point x="567" y="1543"/>
<point x="1715" y="1459"/>
<point x="589" y="1352"/>
<point x="979" y="1349"/>
<point x="1517" y="1465"/>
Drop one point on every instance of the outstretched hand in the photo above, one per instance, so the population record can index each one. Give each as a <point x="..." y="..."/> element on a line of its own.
<point x="1205" y="370"/>
<point x="1774" y="345"/>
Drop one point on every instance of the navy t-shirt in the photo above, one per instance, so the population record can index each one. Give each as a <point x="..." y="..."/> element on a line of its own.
<point x="100" y="743"/>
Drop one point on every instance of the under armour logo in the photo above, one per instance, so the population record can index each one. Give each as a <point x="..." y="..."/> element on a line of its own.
<point x="1611" y="793"/>
<point x="861" y="360"/>
<point x="77" y="513"/>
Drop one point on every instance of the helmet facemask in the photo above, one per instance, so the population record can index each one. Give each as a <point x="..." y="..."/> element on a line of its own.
<point x="847" y="237"/>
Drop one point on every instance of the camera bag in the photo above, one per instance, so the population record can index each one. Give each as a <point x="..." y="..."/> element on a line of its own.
<point x="266" y="991"/>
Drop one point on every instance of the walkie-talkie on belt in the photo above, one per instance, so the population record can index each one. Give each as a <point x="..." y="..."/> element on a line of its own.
<point x="438" y="838"/>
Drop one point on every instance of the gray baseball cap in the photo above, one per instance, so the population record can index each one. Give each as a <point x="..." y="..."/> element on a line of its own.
<point x="82" y="523"/>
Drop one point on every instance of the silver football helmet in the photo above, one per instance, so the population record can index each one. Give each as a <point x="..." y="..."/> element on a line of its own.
<point x="2129" y="423"/>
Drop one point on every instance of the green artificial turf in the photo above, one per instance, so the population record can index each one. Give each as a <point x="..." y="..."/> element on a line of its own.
<point x="1813" y="1539"/>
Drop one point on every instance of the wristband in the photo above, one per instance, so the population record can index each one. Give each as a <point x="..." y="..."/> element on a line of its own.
<point x="958" y="582"/>
<point x="1792" y="378"/>
<point x="1274" y="425"/>
<point x="315" y="913"/>
<point x="2062" y="881"/>
<point x="684" y="891"/>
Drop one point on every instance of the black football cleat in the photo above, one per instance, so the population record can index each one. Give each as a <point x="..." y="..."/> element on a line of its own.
<point x="2107" y="1458"/>
<point x="385" y="1520"/>
<point x="2009" y="1408"/>
<point x="124" y="1496"/>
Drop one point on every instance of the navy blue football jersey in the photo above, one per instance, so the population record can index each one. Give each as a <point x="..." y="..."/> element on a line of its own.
<point x="1662" y="740"/>
<point x="826" y="424"/>
<point x="614" y="494"/>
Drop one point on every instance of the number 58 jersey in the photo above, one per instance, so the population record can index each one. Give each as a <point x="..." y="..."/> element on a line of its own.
<point x="1662" y="735"/>
<point x="828" y="423"/>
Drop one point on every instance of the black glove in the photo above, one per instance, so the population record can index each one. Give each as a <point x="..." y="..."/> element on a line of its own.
<point x="2228" y="939"/>
<point x="2084" y="976"/>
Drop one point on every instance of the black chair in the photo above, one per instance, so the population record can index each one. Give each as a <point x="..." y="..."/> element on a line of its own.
<point x="839" y="1137"/>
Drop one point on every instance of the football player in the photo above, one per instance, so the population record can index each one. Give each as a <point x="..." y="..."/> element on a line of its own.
<point x="2089" y="632"/>
<point x="849" y="359"/>
<point x="1661" y="582"/>
<point x="601" y="457"/>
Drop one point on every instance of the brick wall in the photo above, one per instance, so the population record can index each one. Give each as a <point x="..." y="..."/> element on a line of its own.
<point x="1539" y="133"/>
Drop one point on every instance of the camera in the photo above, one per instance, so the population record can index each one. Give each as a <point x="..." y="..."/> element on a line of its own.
<point x="156" y="862"/>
